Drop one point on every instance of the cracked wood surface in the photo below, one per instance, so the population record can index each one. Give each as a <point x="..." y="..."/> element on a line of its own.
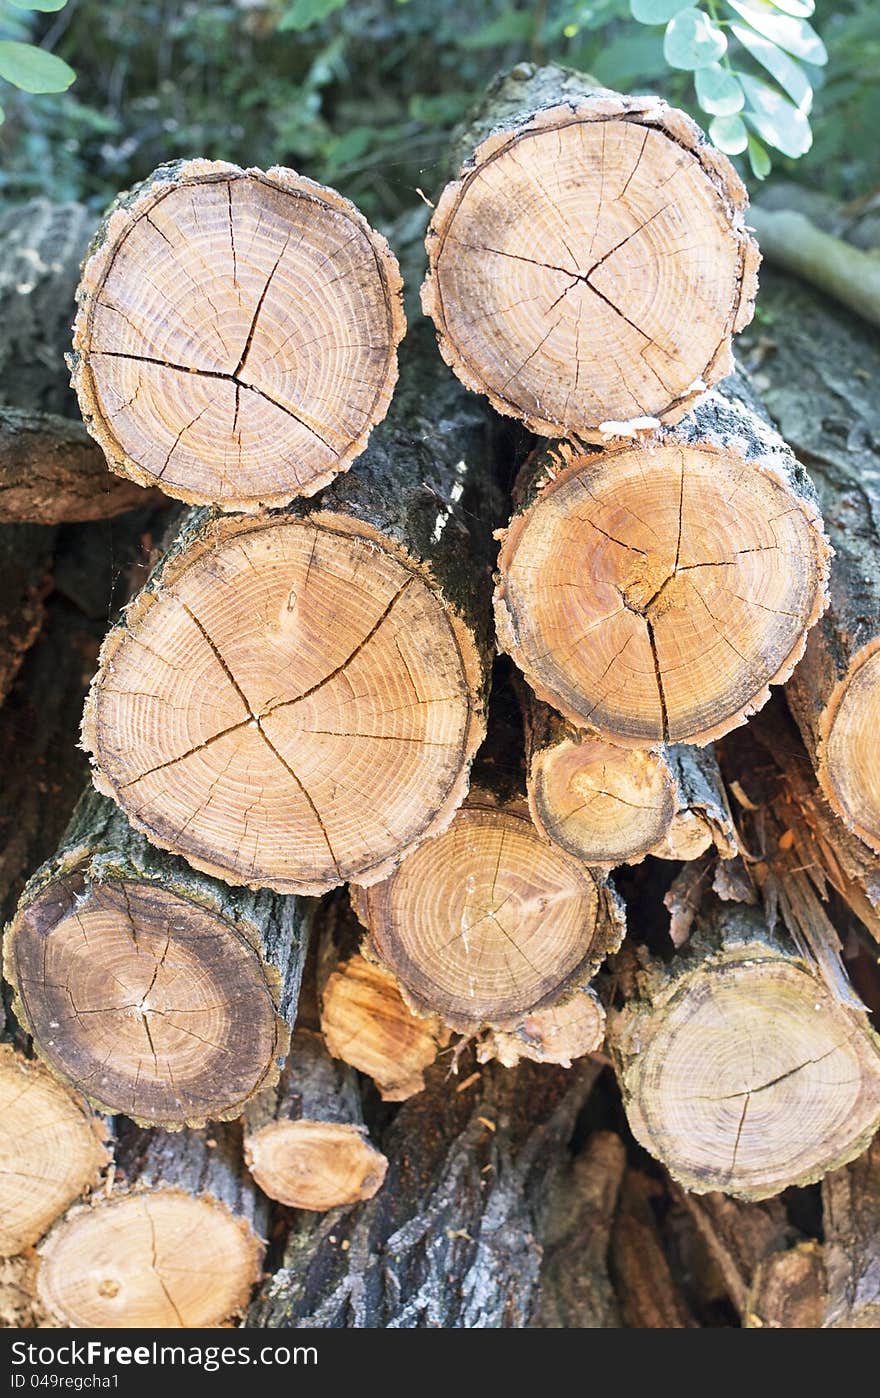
<point x="154" y="990"/>
<point x="742" y="1069"/>
<point x="826" y="407"/>
<point x="489" y="923"/>
<point x="305" y="1142"/>
<point x="176" y="1244"/>
<point x="237" y="333"/>
<point x="652" y="592"/>
<point x="580" y="225"/>
<point x="294" y="700"/>
<point x="609" y="805"/>
<point x="51" y="1150"/>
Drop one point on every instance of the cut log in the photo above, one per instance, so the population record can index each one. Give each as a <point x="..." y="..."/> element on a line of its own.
<point x="609" y="805"/>
<point x="178" y="1245"/>
<point x="305" y="1141"/>
<point x="450" y="1241"/>
<point x="51" y="1150"/>
<point x="237" y="333"/>
<point x="575" y="1232"/>
<point x="19" y="1307"/>
<point x="154" y="990"/>
<point x="463" y="923"/>
<point x="742" y="1067"/>
<point x="51" y="472"/>
<point x="25" y="581"/>
<point x="294" y="701"/>
<point x="653" y="592"/>
<point x="591" y="263"/>
<point x="851" y="1221"/>
<point x="364" y="1018"/>
<point x="559" y="1033"/>
<point x="826" y="407"/>
<point x="647" y="1292"/>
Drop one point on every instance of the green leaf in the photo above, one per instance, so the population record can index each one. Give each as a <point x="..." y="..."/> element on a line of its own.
<point x="510" y="28"/>
<point x="718" y="90"/>
<point x="759" y="159"/>
<point x="692" y="41"/>
<point x="303" y="14"/>
<point x="793" y="35"/>
<point x="657" y="11"/>
<point x="788" y="73"/>
<point x="776" y="120"/>
<point x="729" y="134"/>
<point x="47" y="7"/>
<point x="33" y="69"/>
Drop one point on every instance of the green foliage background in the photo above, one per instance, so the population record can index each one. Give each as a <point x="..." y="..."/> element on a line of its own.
<point x="358" y="93"/>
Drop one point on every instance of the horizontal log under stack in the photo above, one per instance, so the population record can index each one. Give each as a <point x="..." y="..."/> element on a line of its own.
<point x="365" y="1021"/>
<point x="176" y="1244"/>
<point x="488" y="922"/>
<point x="237" y="333"/>
<point x="652" y="592"/>
<point x="154" y="990"/>
<point x="591" y="263"/>
<point x="52" y="1149"/>
<point x="743" y="1069"/>
<point x="305" y="1142"/>
<point x="450" y="1241"/>
<point x="830" y="415"/>
<point x="609" y="805"/>
<point x="294" y="700"/>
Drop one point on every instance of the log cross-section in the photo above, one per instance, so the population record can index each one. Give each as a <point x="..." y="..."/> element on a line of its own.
<point x="237" y="332"/>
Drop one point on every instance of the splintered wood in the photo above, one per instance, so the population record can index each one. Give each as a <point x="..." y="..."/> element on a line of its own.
<point x="236" y="335"/>
<point x="591" y="262"/>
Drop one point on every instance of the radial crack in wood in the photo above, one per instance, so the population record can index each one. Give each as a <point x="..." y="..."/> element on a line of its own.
<point x="51" y="1150"/>
<point x="560" y="260"/>
<point x="237" y="332"/>
<point x="652" y="593"/>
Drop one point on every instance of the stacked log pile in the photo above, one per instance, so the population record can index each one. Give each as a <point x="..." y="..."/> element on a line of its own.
<point x="508" y="958"/>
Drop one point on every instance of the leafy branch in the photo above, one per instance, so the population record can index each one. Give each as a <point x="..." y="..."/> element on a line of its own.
<point x="725" y="44"/>
<point x="29" y="67"/>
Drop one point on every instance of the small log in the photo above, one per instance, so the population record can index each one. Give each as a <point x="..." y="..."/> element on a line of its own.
<point x="591" y="263"/>
<point x="851" y="1222"/>
<point x="176" y="1246"/>
<point x="829" y="412"/>
<point x="575" y="1232"/>
<point x="463" y="923"/>
<point x="154" y="990"/>
<point x="609" y="805"/>
<point x="51" y="1150"/>
<point x="744" y="1067"/>
<point x="365" y="1020"/>
<point x="237" y="333"/>
<point x="648" y="1294"/>
<point x="294" y="700"/>
<point x="572" y="1026"/>
<point x="305" y="1141"/>
<point x="788" y="1292"/>
<point x="653" y="592"/>
<point x="792" y="241"/>
<point x="450" y="1241"/>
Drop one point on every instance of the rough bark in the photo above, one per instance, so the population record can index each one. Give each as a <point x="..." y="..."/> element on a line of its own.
<point x="337" y="662"/>
<point x="25" y="582"/>
<point x="151" y="988"/>
<point x="747" y="1064"/>
<point x="851" y="1220"/>
<point x="450" y="1241"/>
<point x="198" y="289"/>
<point x="462" y="924"/>
<point x="305" y="1141"/>
<point x="578" y="210"/>
<point x="694" y="560"/>
<point x="608" y="805"/>
<point x="826" y="408"/>
<point x="365" y="1020"/>
<point x="648" y="1295"/>
<point x="176" y="1244"/>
